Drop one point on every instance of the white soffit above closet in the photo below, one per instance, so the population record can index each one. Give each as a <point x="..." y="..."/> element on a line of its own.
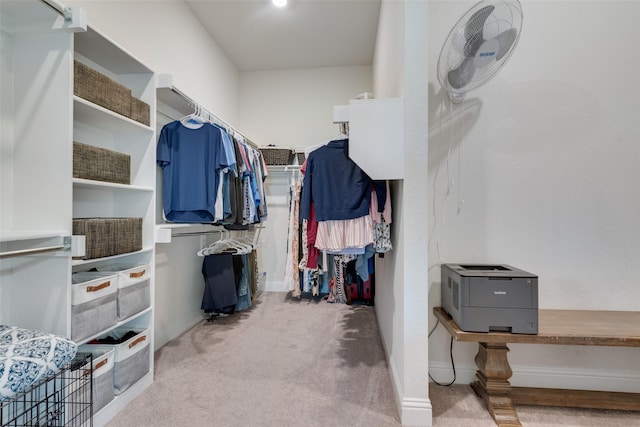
<point x="256" y="35"/>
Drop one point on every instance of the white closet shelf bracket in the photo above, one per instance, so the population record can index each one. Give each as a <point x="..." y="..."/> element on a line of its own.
<point x="65" y="11"/>
<point x="73" y="18"/>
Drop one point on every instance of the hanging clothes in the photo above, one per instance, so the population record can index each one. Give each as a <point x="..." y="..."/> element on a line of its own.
<point x="243" y="279"/>
<point x="230" y="282"/>
<point x="191" y="159"/>
<point x="292" y="269"/>
<point x="344" y="214"/>
<point x="209" y="176"/>
<point x="220" y="295"/>
<point x="337" y="186"/>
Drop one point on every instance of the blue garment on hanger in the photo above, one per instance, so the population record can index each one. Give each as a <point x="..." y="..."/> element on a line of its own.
<point x="190" y="160"/>
<point x="219" y="283"/>
<point x="336" y="186"/>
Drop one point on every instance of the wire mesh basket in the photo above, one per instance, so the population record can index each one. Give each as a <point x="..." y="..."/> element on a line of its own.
<point x="277" y="156"/>
<point x="63" y="399"/>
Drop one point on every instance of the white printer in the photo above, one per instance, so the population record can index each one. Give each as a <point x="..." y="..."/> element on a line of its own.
<point x="484" y="298"/>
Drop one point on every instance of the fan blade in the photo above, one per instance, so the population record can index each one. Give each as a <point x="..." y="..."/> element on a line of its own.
<point x="461" y="76"/>
<point x="474" y="28"/>
<point x="506" y="39"/>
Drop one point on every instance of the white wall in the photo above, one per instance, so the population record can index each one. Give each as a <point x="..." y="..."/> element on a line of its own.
<point x="292" y="108"/>
<point x="400" y="69"/>
<point x="543" y="175"/>
<point x="6" y="129"/>
<point x="168" y="38"/>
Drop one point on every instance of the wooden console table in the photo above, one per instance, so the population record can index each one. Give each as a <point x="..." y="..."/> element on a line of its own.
<point x="566" y="327"/>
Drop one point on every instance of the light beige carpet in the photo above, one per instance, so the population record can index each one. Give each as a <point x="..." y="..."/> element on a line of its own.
<point x="304" y="363"/>
<point x="285" y="362"/>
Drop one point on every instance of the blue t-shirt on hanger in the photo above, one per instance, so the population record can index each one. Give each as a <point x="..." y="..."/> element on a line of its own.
<point x="191" y="158"/>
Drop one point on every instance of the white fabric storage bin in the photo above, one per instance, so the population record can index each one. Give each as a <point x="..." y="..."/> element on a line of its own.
<point x="93" y="307"/>
<point x="103" y="363"/>
<point x="134" y="288"/>
<point x="131" y="357"/>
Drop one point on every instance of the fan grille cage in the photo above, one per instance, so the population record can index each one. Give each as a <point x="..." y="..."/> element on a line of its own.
<point x="507" y="14"/>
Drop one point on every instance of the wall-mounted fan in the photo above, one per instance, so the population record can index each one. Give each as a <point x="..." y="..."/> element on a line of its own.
<point x="479" y="45"/>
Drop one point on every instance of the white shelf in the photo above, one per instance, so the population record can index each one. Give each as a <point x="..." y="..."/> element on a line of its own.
<point x="104" y="51"/>
<point x="171" y="99"/>
<point x="170" y="226"/>
<point x="207" y="227"/>
<point x="79" y="262"/>
<point x="164" y="232"/>
<point x="100" y="185"/>
<point x="283" y="168"/>
<point x="97" y="116"/>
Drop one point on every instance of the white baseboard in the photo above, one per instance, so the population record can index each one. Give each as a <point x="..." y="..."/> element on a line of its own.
<point x="177" y="328"/>
<point x="442" y="373"/>
<point x="546" y="377"/>
<point x="414" y="412"/>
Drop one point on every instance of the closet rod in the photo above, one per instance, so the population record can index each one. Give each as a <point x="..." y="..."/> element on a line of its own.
<point x="32" y="251"/>
<point x="196" y="233"/>
<point x="200" y="233"/>
<point x="225" y="124"/>
<point x="62" y="10"/>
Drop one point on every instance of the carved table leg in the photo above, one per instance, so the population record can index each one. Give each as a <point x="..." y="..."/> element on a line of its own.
<point x="493" y="383"/>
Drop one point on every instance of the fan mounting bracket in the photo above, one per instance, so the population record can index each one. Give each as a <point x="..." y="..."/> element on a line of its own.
<point x="456" y="97"/>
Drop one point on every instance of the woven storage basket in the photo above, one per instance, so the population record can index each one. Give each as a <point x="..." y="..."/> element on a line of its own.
<point x="109" y="236"/>
<point x="277" y="155"/>
<point x="95" y="87"/>
<point x="301" y="157"/>
<point x="140" y="111"/>
<point x="100" y="164"/>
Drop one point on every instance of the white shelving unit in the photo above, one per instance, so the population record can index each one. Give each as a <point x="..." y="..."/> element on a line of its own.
<point x="97" y="126"/>
<point x="40" y="120"/>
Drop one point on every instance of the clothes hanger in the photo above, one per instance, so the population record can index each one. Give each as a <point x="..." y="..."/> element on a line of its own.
<point x="194" y="120"/>
<point x="344" y="130"/>
<point x="213" y="247"/>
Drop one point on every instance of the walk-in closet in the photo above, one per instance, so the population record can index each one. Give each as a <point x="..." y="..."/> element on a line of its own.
<point x="234" y="213"/>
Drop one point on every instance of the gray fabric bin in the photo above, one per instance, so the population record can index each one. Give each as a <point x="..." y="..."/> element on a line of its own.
<point x="133" y="299"/>
<point x="134" y="287"/>
<point x="131" y="357"/>
<point x="103" y="363"/>
<point x="94" y="306"/>
<point x="128" y="371"/>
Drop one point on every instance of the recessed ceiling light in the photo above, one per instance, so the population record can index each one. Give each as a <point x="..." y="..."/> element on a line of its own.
<point x="279" y="3"/>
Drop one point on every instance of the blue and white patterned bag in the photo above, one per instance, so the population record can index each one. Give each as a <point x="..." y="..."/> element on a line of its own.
<point x="27" y="357"/>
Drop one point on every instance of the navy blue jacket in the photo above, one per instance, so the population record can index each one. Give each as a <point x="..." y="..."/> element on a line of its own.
<point x="338" y="188"/>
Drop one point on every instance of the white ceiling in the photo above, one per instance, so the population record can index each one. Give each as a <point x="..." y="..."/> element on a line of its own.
<point x="305" y="34"/>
